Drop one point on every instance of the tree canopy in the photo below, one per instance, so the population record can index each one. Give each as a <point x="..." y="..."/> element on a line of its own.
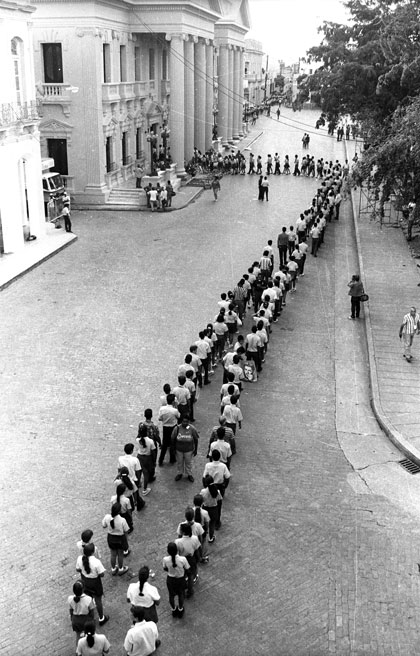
<point x="370" y="70"/>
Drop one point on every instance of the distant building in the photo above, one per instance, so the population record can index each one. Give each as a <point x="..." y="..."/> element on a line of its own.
<point x="123" y="84"/>
<point x="21" y="198"/>
<point x="253" y="75"/>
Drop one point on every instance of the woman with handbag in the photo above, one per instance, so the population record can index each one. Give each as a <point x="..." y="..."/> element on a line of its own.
<point x="356" y="291"/>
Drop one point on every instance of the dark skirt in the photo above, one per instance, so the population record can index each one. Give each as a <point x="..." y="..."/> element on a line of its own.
<point x="116" y="542"/>
<point x="93" y="587"/>
<point x="150" y="614"/>
<point x="175" y="585"/>
<point x="78" y="622"/>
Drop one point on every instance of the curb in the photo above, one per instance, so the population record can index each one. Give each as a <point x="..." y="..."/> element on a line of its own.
<point x="37" y="263"/>
<point x="130" y="208"/>
<point x="384" y="422"/>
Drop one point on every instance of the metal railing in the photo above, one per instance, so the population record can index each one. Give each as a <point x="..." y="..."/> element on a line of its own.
<point x="11" y="113"/>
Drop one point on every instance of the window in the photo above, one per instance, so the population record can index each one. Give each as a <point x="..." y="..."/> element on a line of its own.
<point x="123" y="64"/>
<point x="138" y="143"/>
<point x="124" y="149"/>
<point x="106" y="56"/>
<point x="110" y="166"/>
<point x="151" y="64"/>
<point x="17" y="60"/>
<point x="53" y="63"/>
<point x="164" y="64"/>
<point x="137" y="64"/>
<point x="57" y="149"/>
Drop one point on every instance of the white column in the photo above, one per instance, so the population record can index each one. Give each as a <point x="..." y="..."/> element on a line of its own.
<point x="209" y="94"/>
<point x="200" y="95"/>
<point x="176" y="111"/>
<point x="237" y="102"/>
<point x="241" y="90"/>
<point x="223" y="101"/>
<point x="189" y="98"/>
<point x="230" y="92"/>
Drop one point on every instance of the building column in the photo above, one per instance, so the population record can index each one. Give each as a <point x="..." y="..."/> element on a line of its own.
<point x="200" y="95"/>
<point x="209" y="94"/>
<point x="231" y="94"/>
<point x="241" y="90"/>
<point x="223" y="100"/>
<point x="189" y="98"/>
<point x="176" y="112"/>
<point x="237" y="96"/>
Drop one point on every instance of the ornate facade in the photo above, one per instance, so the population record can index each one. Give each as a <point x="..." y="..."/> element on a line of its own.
<point x="122" y="82"/>
<point x="21" y="198"/>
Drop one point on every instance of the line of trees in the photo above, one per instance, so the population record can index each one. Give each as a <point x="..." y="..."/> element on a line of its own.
<point x="370" y="70"/>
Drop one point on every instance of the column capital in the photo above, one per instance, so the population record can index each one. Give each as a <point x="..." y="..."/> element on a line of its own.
<point x="208" y="42"/>
<point x="175" y="35"/>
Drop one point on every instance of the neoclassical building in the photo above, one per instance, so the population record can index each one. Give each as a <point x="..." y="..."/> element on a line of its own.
<point x="21" y="198"/>
<point x="253" y="75"/>
<point x="121" y="82"/>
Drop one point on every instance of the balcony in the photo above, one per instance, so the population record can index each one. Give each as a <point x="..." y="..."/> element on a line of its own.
<point x="165" y="88"/>
<point x="140" y="89"/>
<point x="127" y="91"/>
<point x="13" y="113"/>
<point x="56" y="94"/>
<point x="110" y="92"/>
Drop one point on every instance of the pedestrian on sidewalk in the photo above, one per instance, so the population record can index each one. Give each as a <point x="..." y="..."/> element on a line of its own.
<point x="211" y="499"/>
<point x="189" y="545"/>
<point x="282" y="245"/>
<point x="145" y="454"/>
<point x="169" y="416"/>
<point x="355" y="292"/>
<point x="409" y="327"/>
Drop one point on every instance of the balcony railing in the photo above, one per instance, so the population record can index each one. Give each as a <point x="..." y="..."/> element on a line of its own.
<point x="127" y="91"/>
<point x="54" y="91"/>
<point x="140" y="89"/>
<point x="127" y="160"/>
<point x="11" y="113"/>
<point x="111" y="166"/>
<point x="110" y="92"/>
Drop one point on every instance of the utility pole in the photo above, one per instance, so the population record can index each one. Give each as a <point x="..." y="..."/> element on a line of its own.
<point x="265" y="81"/>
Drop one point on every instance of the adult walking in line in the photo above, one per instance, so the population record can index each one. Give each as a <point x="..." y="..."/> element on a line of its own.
<point x="355" y="292"/>
<point x="185" y="444"/>
<point x="215" y="185"/>
<point x="264" y="187"/>
<point x="282" y="245"/>
<point x="169" y="416"/>
<point x="410" y="326"/>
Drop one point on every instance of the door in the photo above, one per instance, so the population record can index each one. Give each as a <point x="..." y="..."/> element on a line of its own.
<point x="57" y="149"/>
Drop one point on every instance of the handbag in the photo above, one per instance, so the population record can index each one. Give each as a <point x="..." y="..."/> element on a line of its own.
<point x="364" y="297"/>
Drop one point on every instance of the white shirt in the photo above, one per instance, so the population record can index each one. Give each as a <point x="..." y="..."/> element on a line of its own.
<point x="132" y="464"/>
<point x="141" y="639"/>
<point x="147" y="599"/>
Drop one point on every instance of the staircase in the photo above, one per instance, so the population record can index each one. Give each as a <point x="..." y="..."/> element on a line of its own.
<point x="127" y="197"/>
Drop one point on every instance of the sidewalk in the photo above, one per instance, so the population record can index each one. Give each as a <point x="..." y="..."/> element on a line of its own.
<point x="15" y="265"/>
<point x="390" y="277"/>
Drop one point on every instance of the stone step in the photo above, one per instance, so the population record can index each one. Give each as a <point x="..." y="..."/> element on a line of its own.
<point x="125" y="197"/>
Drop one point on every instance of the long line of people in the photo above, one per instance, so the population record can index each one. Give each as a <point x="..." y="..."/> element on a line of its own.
<point x="258" y="299"/>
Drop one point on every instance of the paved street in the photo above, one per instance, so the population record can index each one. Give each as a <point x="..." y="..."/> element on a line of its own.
<point x="310" y="560"/>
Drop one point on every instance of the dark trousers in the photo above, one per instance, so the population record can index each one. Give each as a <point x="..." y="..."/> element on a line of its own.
<point x="67" y="223"/>
<point x="355" y="306"/>
<point x="283" y="255"/>
<point x="205" y="362"/>
<point x="254" y="355"/>
<point x="176" y="588"/>
<point x="214" y="517"/>
<point x="315" y="245"/>
<point x="166" y="444"/>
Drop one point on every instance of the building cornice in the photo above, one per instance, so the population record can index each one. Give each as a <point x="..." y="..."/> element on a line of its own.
<point x="15" y="6"/>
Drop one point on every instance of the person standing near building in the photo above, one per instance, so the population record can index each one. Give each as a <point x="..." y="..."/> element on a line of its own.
<point x="410" y="326"/>
<point x="138" y="172"/>
<point x="355" y="292"/>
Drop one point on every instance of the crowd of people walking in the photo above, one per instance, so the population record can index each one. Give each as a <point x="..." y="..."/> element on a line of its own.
<point x="257" y="300"/>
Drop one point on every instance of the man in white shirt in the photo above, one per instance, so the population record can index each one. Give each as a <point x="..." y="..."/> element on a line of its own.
<point x="222" y="446"/>
<point x="253" y="345"/>
<point x="315" y="233"/>
<point x="183" y="396"/>
<point x="169" y="416"/>
<point x="203" y="352"/>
